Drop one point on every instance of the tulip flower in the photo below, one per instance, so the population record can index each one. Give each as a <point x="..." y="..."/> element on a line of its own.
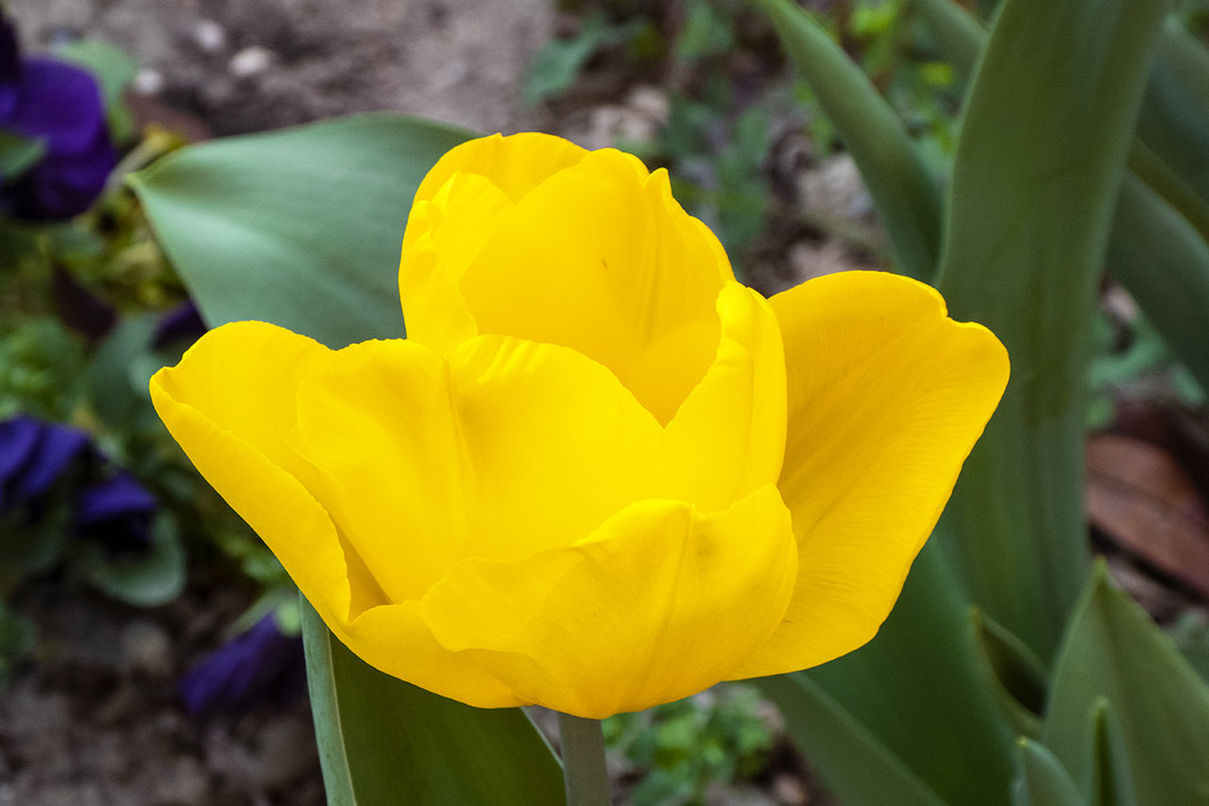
<point x="599" y="474"/>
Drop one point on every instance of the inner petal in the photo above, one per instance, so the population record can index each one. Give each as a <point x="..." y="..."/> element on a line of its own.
<point x="601" y="258"/>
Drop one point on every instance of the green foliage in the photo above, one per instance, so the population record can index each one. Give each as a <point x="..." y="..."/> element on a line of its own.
<point x="559" y="62"/>
<point x="683" y="747"/>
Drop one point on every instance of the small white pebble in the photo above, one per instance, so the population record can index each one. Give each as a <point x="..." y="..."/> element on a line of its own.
<point x="148" y="82"/>
<point x="209" y="36"/>
<point x="250" y="61"/>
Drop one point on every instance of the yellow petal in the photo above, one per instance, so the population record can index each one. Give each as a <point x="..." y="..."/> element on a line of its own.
<point x="659" y="603"/>
<point x="504" y="449"/>
<point x="728" y="437"/>
<point x="229" y="403"/>
<point x="515" y="164"/>
<point x="444" y="235"/>
<point x="887" y="395"/>
<point x="598" y="257"/>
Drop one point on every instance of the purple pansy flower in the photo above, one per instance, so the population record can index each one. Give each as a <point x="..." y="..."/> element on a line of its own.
<point x="61" y="106"/>
<point x="33" y="456"/>
<point x="36" y="455"/>
<point x="260" y="665"/>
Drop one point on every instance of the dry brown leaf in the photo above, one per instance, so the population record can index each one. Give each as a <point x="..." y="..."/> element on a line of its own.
<point x="1140" y="497"/>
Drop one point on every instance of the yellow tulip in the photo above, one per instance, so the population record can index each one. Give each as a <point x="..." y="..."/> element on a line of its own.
<point x="599" y="474"/>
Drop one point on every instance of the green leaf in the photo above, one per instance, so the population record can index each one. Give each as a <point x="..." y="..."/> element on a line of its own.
<point x="18" y="154"/>
<point x="904" y="192"/>
<point x="299" y="227"/>
<point x="959" y="35"/>
<point x="302" y="228"/>
<point x="1174" y="121"/>
<point x="148" y="579"/>
<point x="383" y="741"/>
<point x="1164" y="262"/>
<point x="1114" y="653"/>
<point x="117" y="397"/>
<point x="1111" y="783"/>
<point x="1046" y="131"/>
<point x="1042" y="780"/>
<point x="1016" y="675"/>
<point x="912" y="699"/>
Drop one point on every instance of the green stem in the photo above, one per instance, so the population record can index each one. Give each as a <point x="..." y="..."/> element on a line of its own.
<point x="583" y="761"/>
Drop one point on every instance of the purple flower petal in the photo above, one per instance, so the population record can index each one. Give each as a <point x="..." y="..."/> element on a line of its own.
<point x="58" y="446"/>
<point x="261" y="665"/>
<point x="60" y="104"/>
<point x="116" y="512"/>
<point x="18" y="439"/>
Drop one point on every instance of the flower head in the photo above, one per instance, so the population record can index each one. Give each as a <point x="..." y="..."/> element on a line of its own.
<point x="599" y="474"/>
<point x="59" y="105"/>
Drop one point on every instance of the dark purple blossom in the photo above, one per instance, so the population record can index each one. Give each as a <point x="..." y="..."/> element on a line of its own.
<point x="59" y="105"/>
<point x="33" y="456"/>
<point x="109" y="505"/>
<point x="117" y="512"/>
<point x="261" y="665"/>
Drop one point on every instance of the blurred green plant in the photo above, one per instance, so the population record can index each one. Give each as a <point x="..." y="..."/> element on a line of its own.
<point x="682" y="748"/>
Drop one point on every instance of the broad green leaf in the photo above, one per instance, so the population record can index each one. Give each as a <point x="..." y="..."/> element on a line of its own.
<point x="904" y="192"/>
<point x="1174" y="121"/>
<point x="1015" y="673"/>
<point x="914" y="693"/>
<point x="1046" y="131"/>
<point x="1042" y="780"/>
<point x="1164" y="262"/>
<point x="1114" y="653"/>
<point x="299" y="227"/>
<point x="384" y="742"/>
<point x="302" y="228"/>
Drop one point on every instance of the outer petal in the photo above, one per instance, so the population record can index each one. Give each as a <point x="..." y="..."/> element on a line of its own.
<point x="230" y="405"/>
<point x="504" y="449"/>
<point x="657" y="604"/>
<point x="886" y="398"/>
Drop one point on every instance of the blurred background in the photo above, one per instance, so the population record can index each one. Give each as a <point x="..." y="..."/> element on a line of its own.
<point x="149" y="649"/>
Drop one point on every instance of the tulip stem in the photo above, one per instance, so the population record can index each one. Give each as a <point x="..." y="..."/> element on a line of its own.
<point x="583" y="761"/>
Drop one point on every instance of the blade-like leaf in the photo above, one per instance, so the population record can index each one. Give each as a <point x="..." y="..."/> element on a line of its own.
<point x="302" y="228"/>
<point x="299" y="227"/>
<point x="1042" y="781"/>
<point x="1163" y="261"/>
<point x="921" y="670"/>
<point x="1114" y="653"/>
<point x="1046" y="131"/>
<point x="1174" y="120"/>
<point x="904" y="192"/>
<point x="1111" y="782"/>
<point x="412" y="746"/>
<point x="1015" y="674"/>
<point x="856" y="766"/>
